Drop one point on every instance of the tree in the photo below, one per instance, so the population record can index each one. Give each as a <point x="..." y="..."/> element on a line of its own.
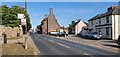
<point x="71" y="26"/>
<point x="9" y="16"/>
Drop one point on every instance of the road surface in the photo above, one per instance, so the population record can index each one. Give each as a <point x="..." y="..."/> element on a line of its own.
<point x="52" y="46"/>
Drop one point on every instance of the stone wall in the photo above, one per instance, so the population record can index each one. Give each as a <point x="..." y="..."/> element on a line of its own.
<point x="10" y="32"/>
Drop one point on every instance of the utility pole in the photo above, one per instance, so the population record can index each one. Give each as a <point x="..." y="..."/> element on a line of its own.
<point x="25" y="16"/>
<point x="26" y="25"/>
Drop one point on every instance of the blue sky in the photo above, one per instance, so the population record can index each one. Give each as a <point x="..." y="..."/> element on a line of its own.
<point x="61" y="0"/>
<point x="65" y="12"/>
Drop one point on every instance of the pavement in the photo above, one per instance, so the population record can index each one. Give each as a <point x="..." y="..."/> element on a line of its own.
<point x="49" y="45"/>
<point x="103" y="43"/>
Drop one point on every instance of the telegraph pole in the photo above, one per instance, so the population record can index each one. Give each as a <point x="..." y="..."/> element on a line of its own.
<point x="26" y="25"/>
<point x="25" y="16"/>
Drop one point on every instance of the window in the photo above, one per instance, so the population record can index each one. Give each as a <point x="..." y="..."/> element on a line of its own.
<point x="107" y="31"/>
<point x="99" y="21"/>
<point x="107" y="19"/>
<point x="99" y="30"/>
<point x="92" y="22"/>
<point x="96" y="29"/>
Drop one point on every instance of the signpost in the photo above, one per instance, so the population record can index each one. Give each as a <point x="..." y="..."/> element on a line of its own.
<point x="23" y="23"/>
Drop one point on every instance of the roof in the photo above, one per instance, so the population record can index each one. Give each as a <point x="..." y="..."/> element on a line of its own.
<point x="44" y="20"/>
<point x="113" y="10"/>
<point x="86" y="23"/>
<point x="79" y="21"/>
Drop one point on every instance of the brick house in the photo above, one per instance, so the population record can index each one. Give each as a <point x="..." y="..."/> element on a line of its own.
<point x="49" y="23"/>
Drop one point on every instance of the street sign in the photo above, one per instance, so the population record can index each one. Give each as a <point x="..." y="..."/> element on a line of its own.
<point x="21" y="16"/>
<point x="23" y="21"/>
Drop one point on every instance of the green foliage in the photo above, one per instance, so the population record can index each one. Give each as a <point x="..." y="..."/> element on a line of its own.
<point x="71" y="26"/>
<point x="9" y="16"/>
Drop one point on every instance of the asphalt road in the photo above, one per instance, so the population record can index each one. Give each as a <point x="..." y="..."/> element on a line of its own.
<point x="52" y="46"/>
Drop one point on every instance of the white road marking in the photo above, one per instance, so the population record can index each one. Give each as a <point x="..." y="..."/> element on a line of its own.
<point x="63" y="45"/>
<point x="50" y="40"/>
<point x="85" y="54"/>
<point x="44" y="38"/>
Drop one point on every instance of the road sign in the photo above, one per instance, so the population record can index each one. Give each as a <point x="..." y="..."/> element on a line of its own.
<point x="23" y="21"/>
<point x="21" y="16"/>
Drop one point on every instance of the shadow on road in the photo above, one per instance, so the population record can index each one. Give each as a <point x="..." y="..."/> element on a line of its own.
<point x="110" y="45"/>
<point x="111" y="41"/>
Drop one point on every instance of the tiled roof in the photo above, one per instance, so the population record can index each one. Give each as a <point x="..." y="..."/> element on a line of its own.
<point x="114" y="10"/>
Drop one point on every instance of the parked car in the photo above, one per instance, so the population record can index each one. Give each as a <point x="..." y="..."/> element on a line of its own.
<point x="118" y="41"/>
<point x="94" y="35"/>
<point x="63" y="33"/>
<point x="53" y="33"/>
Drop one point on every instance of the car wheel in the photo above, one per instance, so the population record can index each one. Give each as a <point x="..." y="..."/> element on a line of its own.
<point x="92" y="37"/>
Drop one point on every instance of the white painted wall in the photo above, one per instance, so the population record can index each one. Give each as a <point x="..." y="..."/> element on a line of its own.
<point x="103" y="28"/>
<point x="78" y="27"/>
<point x="115" y="26"/>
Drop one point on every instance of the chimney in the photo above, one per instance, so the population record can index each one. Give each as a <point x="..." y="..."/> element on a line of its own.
<point x="51" y="11"/>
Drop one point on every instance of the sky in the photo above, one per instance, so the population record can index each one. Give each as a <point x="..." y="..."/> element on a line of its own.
<point x="65" y="12"/>
<point x="61" y="0"/>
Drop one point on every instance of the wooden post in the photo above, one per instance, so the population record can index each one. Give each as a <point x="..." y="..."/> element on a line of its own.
<point x="26" y="42"/>
<point x="5" y="38"/>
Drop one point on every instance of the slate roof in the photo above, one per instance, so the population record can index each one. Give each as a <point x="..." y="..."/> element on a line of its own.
<point x="113" y="10"/>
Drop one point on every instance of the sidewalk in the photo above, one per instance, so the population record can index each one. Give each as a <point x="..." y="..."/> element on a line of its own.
<point x="103" y="43"/>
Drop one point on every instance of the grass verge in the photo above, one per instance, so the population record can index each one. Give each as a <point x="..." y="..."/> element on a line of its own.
<point x="17" y="49"/>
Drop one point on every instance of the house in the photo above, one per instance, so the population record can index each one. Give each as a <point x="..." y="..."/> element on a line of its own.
<point x="107" y="24"/>
<point x="79" y="25"/>
<point x="63" y="29"/>
<point x="49" y="23"/>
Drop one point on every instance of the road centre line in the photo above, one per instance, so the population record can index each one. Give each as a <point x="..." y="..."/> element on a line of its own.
<point x="51" y="40"/>
<point x="57" y="43"/>
<point x="63" y="45"/>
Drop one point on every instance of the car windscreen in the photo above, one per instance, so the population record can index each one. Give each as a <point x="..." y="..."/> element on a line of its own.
<point x="94" y="33"/>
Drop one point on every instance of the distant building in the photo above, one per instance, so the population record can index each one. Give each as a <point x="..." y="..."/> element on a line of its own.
<point x="49" y="23"/>
<point x="79" y="26"/>
<point x="63" y="29"/>
<point x="107" y="24"/>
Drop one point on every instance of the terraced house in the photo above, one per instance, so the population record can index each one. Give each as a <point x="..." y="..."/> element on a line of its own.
<point x="107" y="24"/>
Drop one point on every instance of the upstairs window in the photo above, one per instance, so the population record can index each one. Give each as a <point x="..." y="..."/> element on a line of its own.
<point x="92" y="22"/>
<point x="107" y="19"/>
<point x="99" y="21"/>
